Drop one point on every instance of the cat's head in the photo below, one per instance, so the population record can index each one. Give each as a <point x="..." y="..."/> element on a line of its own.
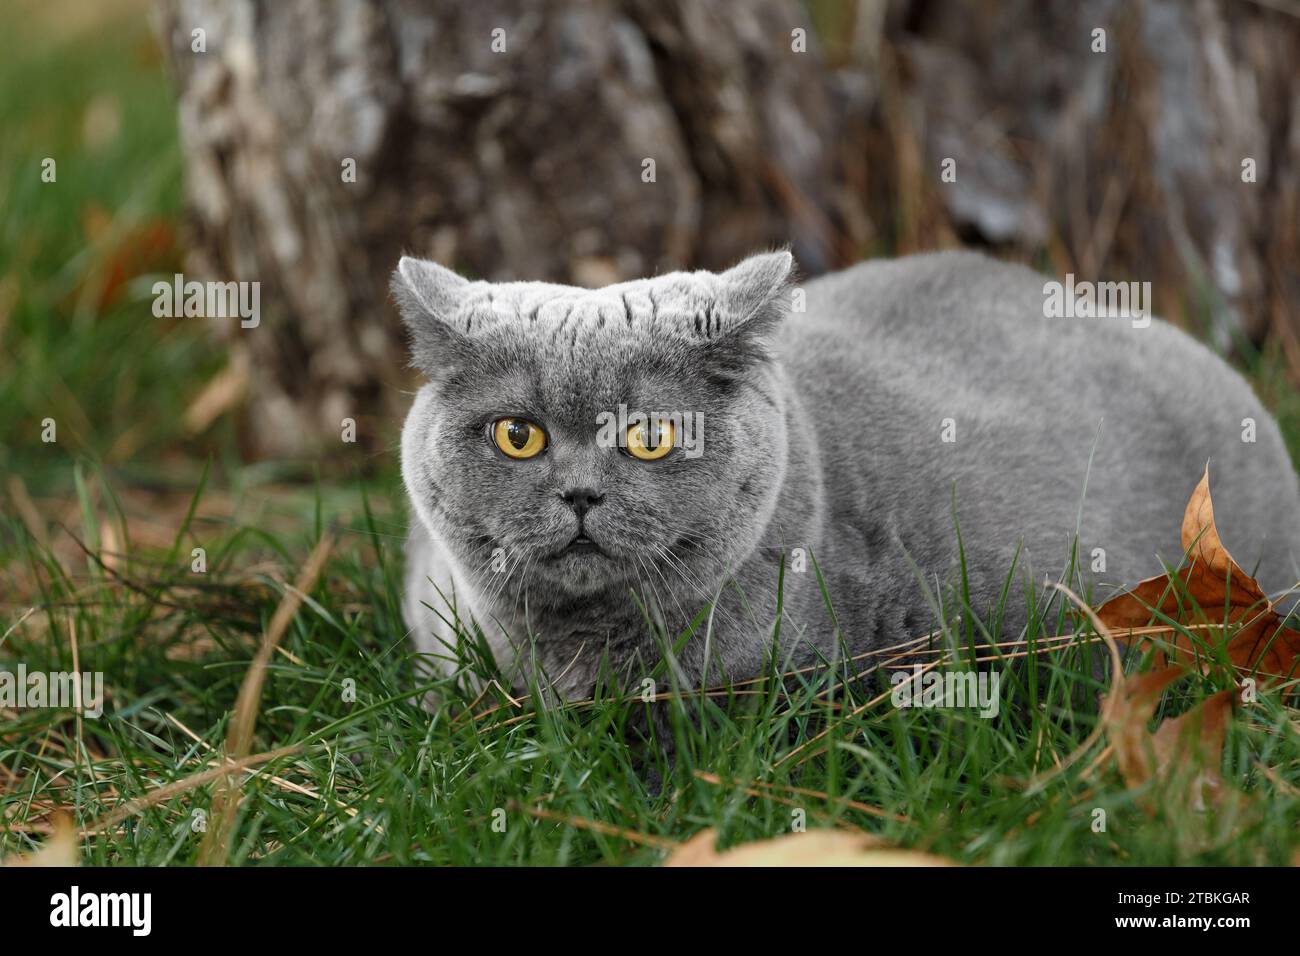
<point x="524" y="453"/>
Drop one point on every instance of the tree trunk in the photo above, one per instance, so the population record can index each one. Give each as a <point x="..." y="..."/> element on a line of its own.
<point x="1165" y="147"/>
<point x="514" y="140"/>
<point x="571" y="141"/>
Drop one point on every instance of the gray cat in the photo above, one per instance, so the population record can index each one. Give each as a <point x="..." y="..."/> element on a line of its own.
<point x="841" y="425"/>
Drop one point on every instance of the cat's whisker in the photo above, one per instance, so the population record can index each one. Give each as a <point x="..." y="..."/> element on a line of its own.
<point x="507" y="575"/>
<point x="653" y="602"/>
<point x="711" y="596"/>
<point x="482" y="566"/>
<point x="711" y="593"/>
<point x="693" y="582"/>
<point x="671" y="592"/>
<point x="503" y="578"/>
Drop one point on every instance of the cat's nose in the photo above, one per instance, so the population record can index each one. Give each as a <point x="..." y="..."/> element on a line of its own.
<point x="582" y="500"/>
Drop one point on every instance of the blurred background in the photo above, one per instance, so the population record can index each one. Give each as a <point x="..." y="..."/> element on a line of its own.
<point x="162" y="480"/>
<point x="304" y="145"/>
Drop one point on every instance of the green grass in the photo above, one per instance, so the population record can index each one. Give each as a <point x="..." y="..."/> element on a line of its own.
<point x="109" y="374"/>
<point x="377" y="779"/>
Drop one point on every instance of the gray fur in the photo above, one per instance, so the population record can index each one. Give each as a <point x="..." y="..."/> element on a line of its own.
<point x="822" y="431"/>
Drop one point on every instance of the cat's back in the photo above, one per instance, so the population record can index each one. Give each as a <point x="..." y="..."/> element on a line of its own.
<point x="957" y="373"/>
<point x="957" y="306"/>
<point x="977" y="335"/>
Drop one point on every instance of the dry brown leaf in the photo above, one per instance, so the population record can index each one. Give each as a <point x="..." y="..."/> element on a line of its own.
<point x="1185" y="751"/>
<point x="1193" y="743"/>
<point x="810" y="848"/>
<point x="1132" y="701"/>
<point x="123" y="252"/>
<point x="60" y="847"/>
<point x="1219" y="588"/>
<point x="110" y="548"/>
<point x="223" y="392"/>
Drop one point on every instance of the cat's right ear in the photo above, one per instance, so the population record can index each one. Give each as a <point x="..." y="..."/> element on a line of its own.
<point x="429" y="297"/>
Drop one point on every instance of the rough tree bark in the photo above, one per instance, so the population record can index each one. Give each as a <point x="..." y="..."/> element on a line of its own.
<point x="513" y="154"/>
<point x="527" y="162"/>
<point x="1122" y="153"/>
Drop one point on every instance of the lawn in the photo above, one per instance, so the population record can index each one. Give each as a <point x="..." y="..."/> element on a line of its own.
<point x="141" y="547"/>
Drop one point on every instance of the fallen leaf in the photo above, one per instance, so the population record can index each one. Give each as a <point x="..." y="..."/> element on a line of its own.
<point x="60" y="847"/>
<point x="810" y="848"/>
<point x="101" y="123"/>
<point x="223" y="392"/>
<point x="1210" y="582"/>
<point x="1129" y="707"/>
<point x="123" y="252"/>
<point x="1186" y="751"/>
<point x="110" y="548"/>
<point x="1192" y="744"/>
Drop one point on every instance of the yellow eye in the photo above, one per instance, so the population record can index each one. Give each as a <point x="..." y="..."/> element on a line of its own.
<point x="650" y="442"/>
<point x="518" y="437"/>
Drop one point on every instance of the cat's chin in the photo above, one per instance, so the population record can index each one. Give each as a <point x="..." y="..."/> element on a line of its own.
<point x="580" y="570"/>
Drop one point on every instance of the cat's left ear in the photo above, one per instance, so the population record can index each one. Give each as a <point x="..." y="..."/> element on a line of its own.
<point x="753" y="298"/>
<point x="755" y="294"/>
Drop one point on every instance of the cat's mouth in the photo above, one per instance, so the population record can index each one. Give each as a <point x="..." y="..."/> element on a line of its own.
<point x="581" y="544"/>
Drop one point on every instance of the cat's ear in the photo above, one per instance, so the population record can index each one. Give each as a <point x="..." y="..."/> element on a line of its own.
<point x="754" y="295"/>
<point x="753" y="298"/>
<point x="429" y="296"/>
